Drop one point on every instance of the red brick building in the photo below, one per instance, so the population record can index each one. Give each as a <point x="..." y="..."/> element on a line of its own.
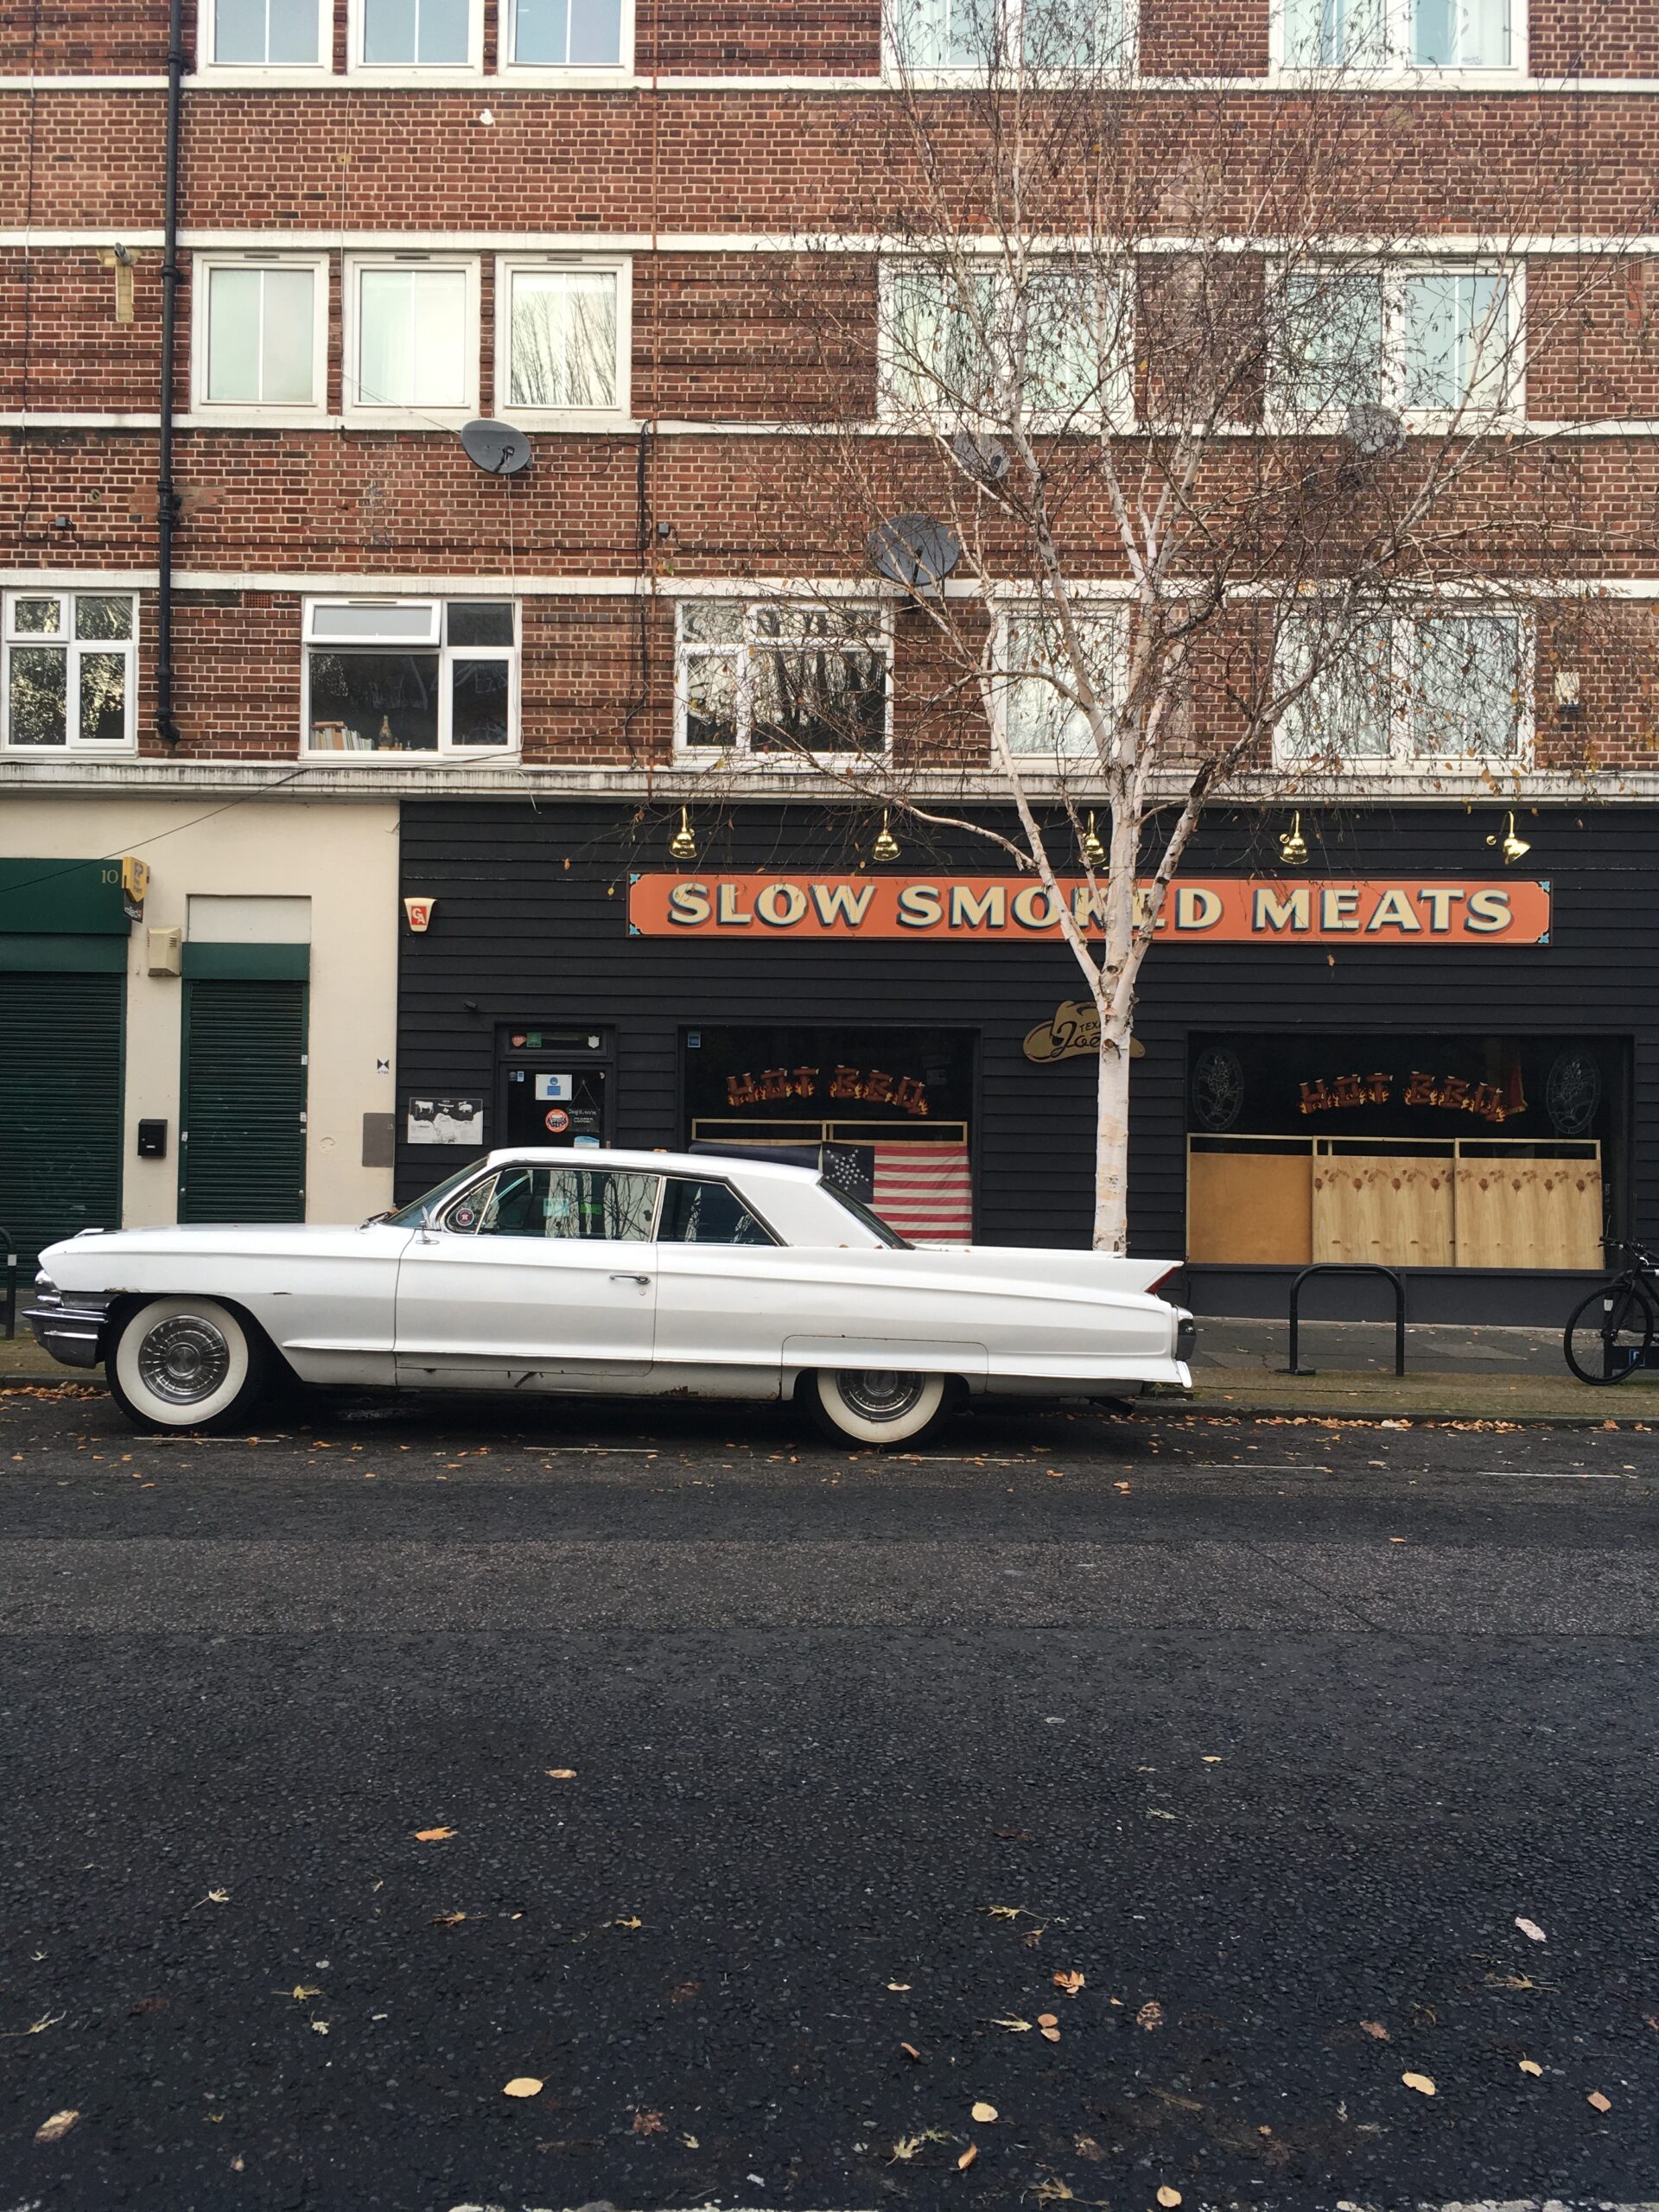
<point x="393" y="675"/>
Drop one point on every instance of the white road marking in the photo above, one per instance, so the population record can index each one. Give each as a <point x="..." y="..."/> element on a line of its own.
<point x="1546" y="1475"/>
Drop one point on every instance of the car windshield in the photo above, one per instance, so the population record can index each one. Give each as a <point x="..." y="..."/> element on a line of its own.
<point x="871" y="1220"/>
<point x="411" y="1216"/>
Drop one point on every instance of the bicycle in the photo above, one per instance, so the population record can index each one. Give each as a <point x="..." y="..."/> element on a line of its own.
<point x="1611" y="1333"/>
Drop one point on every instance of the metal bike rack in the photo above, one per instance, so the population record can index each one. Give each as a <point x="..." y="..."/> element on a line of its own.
<point x="1339" y="1267"/>
<point x="10" y="1243"/>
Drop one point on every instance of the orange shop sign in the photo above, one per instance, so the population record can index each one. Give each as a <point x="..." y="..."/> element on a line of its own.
<point x="1014" y="909"/>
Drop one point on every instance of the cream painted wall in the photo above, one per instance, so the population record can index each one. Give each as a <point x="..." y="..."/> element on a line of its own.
<point x="344" y="859"/>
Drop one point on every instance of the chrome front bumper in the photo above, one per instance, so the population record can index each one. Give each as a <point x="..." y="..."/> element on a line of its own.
<point x="71" y="1328"/>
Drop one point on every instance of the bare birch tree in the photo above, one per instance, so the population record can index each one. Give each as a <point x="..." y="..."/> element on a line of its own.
<point x="1237" y="479"/>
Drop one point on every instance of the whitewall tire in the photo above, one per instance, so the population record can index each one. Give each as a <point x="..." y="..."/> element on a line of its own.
<point x="875" y="1406"/>
<point x="186" y="1363"/>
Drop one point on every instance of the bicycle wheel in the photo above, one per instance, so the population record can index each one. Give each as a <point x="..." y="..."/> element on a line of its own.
<point x="1611" y="1334"/>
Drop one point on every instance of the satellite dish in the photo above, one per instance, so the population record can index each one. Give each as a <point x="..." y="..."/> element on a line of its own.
<point x="495" y="447"/>
<point x="985" y="460"/>
<point x="915" y="551"/>
<point x="1377" y="433"/>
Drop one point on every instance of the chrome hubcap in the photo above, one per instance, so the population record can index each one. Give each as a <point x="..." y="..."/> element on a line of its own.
<point x="184" y="1359"/>
<point x="876" y="1395"/>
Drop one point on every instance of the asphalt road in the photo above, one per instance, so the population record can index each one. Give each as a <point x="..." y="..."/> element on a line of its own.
<point x="768" y="1791"/>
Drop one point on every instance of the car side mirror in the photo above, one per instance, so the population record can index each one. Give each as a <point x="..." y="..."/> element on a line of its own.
<point x="429" y="1222"/>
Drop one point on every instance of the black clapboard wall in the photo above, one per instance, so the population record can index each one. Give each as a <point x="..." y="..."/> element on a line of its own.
<point x="532" y="926"/>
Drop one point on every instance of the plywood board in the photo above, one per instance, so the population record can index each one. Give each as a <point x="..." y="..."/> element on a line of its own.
<point x="1388" y="1210"/>
<point x="1529" y="1213"/>
<point x="1248" y="1209"/>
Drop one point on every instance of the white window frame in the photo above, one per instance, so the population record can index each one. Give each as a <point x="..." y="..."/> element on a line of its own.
<point x="509" y="266"/>
<point x="440" y="72"/>
<point x="1091" y="607"/>
<point x="1476" y="418"/>
<point x="206" y="25"/>
<point x="356" y="410"/>
<point x="10" y="640"/>
<point x="1396" y="67"/>
<point x="946" y="75"/>
<point x="543" y="73"/>
<point x="203" y="267"/>
<point x="1404" y="648"/>
<point x="447" y="654"/>
<point x="744" y="750"/>
<point x="1118" y="389"/>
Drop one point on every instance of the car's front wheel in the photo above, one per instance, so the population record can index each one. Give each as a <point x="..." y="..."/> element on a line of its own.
<point x="876" y="1405"/>
<point x="186" y="1363"/>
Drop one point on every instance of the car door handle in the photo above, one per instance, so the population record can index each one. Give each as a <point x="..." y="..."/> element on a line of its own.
<point x="643" y="1280"/>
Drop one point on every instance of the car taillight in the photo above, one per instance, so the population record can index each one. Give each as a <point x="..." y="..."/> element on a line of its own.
<point x="1187" y="1336"/>
<point x="1157" y="1281"/>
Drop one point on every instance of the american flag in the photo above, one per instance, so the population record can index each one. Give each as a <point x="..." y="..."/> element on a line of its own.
<point x="925" y="1192"/>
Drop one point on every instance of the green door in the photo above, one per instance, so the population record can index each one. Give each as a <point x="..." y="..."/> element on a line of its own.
<point x="60" y="1079"/>
<point x="242" y="1117"/>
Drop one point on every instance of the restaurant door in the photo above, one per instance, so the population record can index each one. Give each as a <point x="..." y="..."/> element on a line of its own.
<point x="555" y="1086"/>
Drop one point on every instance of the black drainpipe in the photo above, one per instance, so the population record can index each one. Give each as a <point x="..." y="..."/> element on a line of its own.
<point x="166" y="500"/>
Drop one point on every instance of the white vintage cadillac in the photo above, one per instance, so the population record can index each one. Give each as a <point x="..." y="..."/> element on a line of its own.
<point x="613" y="1272"/>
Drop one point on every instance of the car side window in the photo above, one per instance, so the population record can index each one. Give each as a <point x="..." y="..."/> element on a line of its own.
<point x="466" y="1212"/>
<point x="607" y="1204"/>
<point x="708" y="1213"/>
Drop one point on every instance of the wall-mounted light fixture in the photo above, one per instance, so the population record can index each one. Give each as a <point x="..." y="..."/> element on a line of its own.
<point x="1292" y="846"/>
<point x="1512" y="848"/>
<point x="885" y="847"/>
<point x="682" y="845"/>
<point x="1089" y="845"/>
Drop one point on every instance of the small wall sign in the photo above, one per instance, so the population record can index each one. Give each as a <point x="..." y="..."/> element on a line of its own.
<point x="446" y="1120"/>
<point x="419" y="911"/>
<point x="1071" y="1032"/>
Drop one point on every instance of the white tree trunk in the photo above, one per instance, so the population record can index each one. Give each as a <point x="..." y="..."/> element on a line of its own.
<point x="1112" y="1140"/>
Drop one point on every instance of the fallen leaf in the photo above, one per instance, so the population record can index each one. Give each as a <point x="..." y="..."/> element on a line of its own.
<point x="446" y="1920"/>
<point x="217" y="1896"/>
<point x="683" y="1990"/>
<point x="1018" y="2027"/>
<point x="433" y="1835"/>
<point x="54" y="2130"/>
<point x="1601" y="2103"/>
<point x="1420" y="2082"/>
<point x="984" y="2114"/>
<point x="690" y="2142"/>
<point x="1211" y="1759"/>
<point x="1005" y="1911"/>
<point x="1070" y="1983"/>
<point x="910" y="2052"/>
<point x="1168" y="2197"/>
<point x="1151" y="2014"/>
<point x="899" y="1985"/>
<point x="1053" y="2190"/>
<point x="145" y="2004"/>
<point x="1012" y="1835"/>
<point x="319" y="2027"/>
<point x="907" y="2146"/>
<point x="967" y="2158"/>
<point x="628" y="1920"/>
<point x="1375" y="2029"/>
<point x="1531" y="2066"/>
<point x="1086" y="2147"/>
<point x="302" y="1991"/>
<point x="1531" y="1930"/>
<point x="1048" y="2019"/>
<point x="561" y="1773"/>
<point x="1050" y="2034"/>
<point x="238" y="2165"/>
<point x="648" y="2123"/>
<point x="522" y="2085"/>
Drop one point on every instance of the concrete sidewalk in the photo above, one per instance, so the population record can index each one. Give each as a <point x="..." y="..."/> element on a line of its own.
<point x="1459" y="1374"/>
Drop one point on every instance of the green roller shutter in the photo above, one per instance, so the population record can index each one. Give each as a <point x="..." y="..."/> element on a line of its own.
<point x="242" y="1118"/>
<point x="60" y="1072"/>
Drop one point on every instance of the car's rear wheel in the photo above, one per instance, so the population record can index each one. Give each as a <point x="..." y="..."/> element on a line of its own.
<point x="875" y="1405"/>
<point x="187" y="1362"/>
